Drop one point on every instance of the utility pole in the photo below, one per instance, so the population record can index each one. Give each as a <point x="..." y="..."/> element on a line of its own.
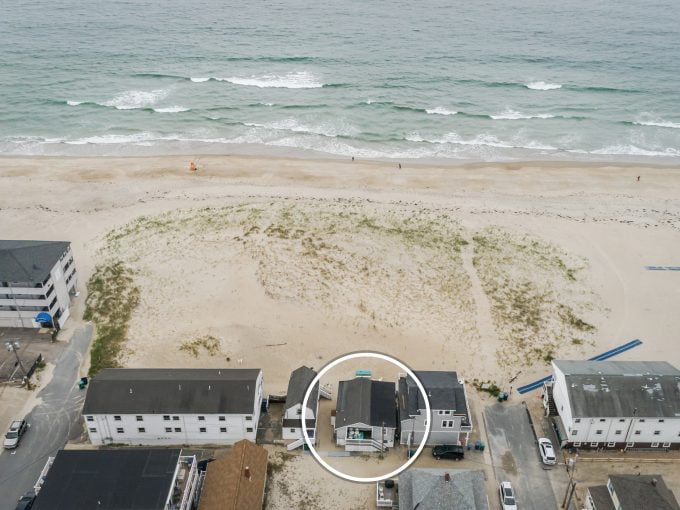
<point x="382" y="437"/>
<point x="571" y="486"/>
<point x="16" y="305"/>
<point x="13" y="346"/>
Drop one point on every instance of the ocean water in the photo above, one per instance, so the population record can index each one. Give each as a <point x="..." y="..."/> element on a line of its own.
<point x="482" y="80"/>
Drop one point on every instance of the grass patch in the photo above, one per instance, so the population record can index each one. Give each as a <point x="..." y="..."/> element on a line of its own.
<point x="206" y="342"/>
<point x="112" y="297"/>
<point x="486" y="386"/>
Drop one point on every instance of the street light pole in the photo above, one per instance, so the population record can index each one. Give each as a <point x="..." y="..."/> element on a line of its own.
<point x="13" y="346"/>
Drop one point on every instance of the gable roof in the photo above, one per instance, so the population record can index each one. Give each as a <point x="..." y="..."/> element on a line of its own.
<point x="29" y="261"/>
<point x="362" y="400"/>
<point x="120" y="479"/>
<point x="427" y="489"/>
<point x="601" y="497"/>
<point x="643" y="492"/>
<point x="444" y="391"/>
<point x="172" y="390"/>
<point x="226" y="486"/>
<point x="299" y="381"/>
<point x="622" y="388"/>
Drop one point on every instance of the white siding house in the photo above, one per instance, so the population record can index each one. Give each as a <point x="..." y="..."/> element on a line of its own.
<point x="36" y="277"/>
<point x="366" y="415"/>
<point x="173" y="406"/>
<point x="615" y="404"/>
<point x="299" y="381"/>
<point x="451" y="423"/>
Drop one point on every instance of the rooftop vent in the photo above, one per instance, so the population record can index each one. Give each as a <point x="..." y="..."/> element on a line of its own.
<point x="447" y="477"/>
<point x="246" y="472"/>
<point x="654" y="482"/>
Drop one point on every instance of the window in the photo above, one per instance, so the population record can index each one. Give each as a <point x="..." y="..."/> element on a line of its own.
<point x="90" y="418"/>
<point x="641" y="420"/>
<point x="116" y="418"/>
<point x="201" y="418"/>
<point x="655" y="445"/>
<point x="448" y="424"/>
<point x="292" y="430"/>
<point x="602" y="420"/>
<point x="667" y="445"/>
<point x="621" y="420"/>
<point x="611" y="445"/>
<point x="637" y="432"/>
<point x="166" y="417"/>
<point x="577" y="420"/>
<point x="598" y="432"/>
<point x="617" y="432"/>
<point x="93" y="430"/>
<point x="168" y="429"/>
<point x="249" y="418"/>
<point x="140" y="418"/>
<point x="630" y="445"/>
<point x="661" y="421"/>
<point x="178" y="429"/>
<point x="224" y="429"/>
<point x="249" y="429"/>
<point x="574" y="432"/>
<point x="657" y="432"/>
<point x="202" y="429"/>
<point x="120" y="430"/>
<point x="594" y="444"/>
<point x="577" y="444"/>
<point x="222" y="418"/>
<point x="299" y="412"/>
<point x="141" y="429"/>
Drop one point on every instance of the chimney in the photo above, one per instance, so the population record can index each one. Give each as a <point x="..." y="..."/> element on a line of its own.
<point x="246" y="472"/>
<point x="130" y="391"/>
<point x="447" y="477"/>
<point x="208" y="387"/>
<point x="654" y="481"/>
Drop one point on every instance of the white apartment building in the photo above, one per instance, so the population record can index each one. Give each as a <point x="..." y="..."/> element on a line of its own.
<point x="450" y="417"/>
<point x="615" y="404"/>
<point x="37" y="281"/>
<point x="173" y="406"/>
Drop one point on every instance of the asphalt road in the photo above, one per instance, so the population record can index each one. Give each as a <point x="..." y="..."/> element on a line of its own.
<point x="516" y="458"/>
<point x="52" y="422"/>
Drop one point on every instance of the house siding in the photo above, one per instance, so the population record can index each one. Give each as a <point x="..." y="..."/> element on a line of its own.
<point x="295" y="433"/>
<point x="376" y="434"/>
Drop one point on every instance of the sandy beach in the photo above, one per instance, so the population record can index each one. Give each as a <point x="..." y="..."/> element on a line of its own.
<point x="491" y="270"/>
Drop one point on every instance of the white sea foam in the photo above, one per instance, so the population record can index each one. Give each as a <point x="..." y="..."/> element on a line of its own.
<point x="514" y="115"/>
<point x="329" y="129"/>
<point x="199" y="80"/>
<point x="661" y="123"/>
<point x="296" y="80"/>
<point x="632" y="150"/>
<point x="171" y="109"/>
<point x="440" y="110"/>
<point x="541" y="85"/>
<point x="133" y="99"/>
<point x="484" y="139"/>
<point x="74" y="103"/>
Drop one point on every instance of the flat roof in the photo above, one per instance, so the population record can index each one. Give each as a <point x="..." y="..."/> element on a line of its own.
<point x="120" y="479"/>
<point x="29" y="261"/>
<point x="237" y="480"/>
<point x="622" y="388"/>
<point x="172" y="390"/>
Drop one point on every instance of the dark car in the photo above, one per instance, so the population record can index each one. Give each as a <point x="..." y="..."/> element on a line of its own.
<point x="448" y="451"/>
<point x="26" y="501"/>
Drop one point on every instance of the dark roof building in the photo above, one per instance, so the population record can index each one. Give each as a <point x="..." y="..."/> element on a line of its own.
<point x="299" y="381"/>
<point x="621" y="388"/>
<point x="237" y="480"/>
<point x="444" y="391"/>
<point x="439" y="489"/>
<point x="362" y="400"/>
<point x="130" y="479"/>
<point x="29" y="261"/>
<point x="633" y="492"/>
<point x="172" y="390"/>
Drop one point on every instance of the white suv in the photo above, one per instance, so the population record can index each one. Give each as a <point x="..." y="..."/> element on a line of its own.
<point x="547" y="451"/>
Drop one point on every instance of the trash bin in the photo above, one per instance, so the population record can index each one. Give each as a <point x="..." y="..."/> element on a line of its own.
<point x="481" y="446"/>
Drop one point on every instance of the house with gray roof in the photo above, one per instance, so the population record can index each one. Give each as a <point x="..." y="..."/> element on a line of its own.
<point x="37" y="282"/>
<point x="160" y="406"/>
<point x="299" y="382"/>
<point x="440" y="489"/>
<point x="632" y="492"/>
<point x="615" y="404"/>
<point x="450" y="415"/>
<point x="365" y="415"/>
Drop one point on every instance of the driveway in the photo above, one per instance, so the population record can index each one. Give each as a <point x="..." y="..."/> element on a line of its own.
<point x="53" y="421"/>
<point x="516" y="458"/>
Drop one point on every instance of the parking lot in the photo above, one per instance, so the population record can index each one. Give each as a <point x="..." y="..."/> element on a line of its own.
<point x="515" y="456"/>
<point x="30" y="344"/>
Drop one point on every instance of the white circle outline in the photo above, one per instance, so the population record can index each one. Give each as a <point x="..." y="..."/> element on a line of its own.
<point x="317" y="379"/>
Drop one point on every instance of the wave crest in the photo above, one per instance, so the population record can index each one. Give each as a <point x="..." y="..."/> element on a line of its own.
<point x="292" y="80"/>
<point x="542" y="85"/>
<point x="440" y="110"/>
<point x="515" y="115"/>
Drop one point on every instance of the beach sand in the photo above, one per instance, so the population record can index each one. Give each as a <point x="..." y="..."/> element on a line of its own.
<point x="487" y="269"/>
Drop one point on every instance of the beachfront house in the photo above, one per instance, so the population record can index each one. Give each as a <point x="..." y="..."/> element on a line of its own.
<point x="434" y="489"/>
<point x="291" y="430"/>
<point x="159" y="406"/>
<point x="614" y="404"/>
<point x="365" y="415"/>
<point x="631" y="492"/>
<point x="450" y="415"/>
<point x="237" y="480"/>
<point x="37" y="281"/>
<point x="132" y="478"/>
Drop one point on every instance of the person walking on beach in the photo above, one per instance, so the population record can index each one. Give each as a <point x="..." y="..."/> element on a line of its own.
<point x="638" y="179"/>
<point x="192" y="167"/>
<point x="400" y="166"/>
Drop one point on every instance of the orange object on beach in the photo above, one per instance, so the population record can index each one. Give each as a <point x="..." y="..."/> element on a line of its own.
<point x="192" y="167"/>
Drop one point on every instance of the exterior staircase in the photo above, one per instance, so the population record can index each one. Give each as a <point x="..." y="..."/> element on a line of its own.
<point x="296" y="444"/>
<point x="326" y="392"/>
<point x="552" y="408"/>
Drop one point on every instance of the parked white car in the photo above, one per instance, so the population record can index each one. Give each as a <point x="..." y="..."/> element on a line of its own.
<point x="16" y="431"/>
<point x="507" y="495"/>
<point x="547" y="451"/>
